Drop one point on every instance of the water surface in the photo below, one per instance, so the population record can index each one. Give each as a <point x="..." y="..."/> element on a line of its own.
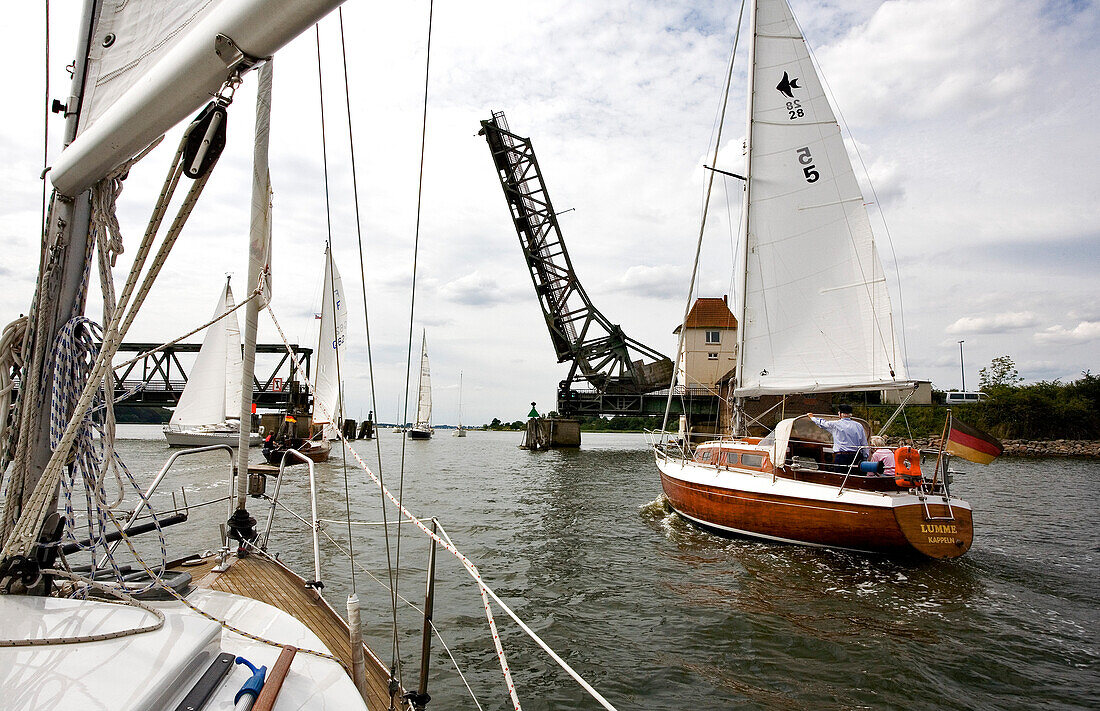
<point x="657" y="614"/>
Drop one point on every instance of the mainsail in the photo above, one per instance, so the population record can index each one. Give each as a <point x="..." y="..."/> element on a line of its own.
<point x="816" y="312"/>
<point x="424" y="400"/>
<point x="213" y="391"/>
<point x="331" y="350"/>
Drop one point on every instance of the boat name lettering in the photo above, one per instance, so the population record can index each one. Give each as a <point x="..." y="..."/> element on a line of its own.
<point x="938" y="528"/>
<point x="807" y="161"/>
<point x="940" y="539"/>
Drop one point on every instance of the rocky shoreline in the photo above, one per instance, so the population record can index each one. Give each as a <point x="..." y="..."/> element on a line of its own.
<point x="1034" y="447"/>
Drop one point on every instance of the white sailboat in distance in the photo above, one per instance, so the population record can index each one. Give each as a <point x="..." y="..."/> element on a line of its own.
<point x="331" y="352"/>
<point x="209" y="407"/>
<point x="461" y="431"/>
<point x="423" y="427"/>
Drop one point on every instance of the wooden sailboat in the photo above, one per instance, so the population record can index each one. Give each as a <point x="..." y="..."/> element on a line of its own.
<point x="815" y="317"/>
<point x="208" y="411"/>
<point x="422" y="429"/>
<point x="460" y="431"/>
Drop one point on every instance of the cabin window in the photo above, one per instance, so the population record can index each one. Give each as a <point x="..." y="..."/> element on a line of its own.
<point x="704" y="456"/>
<point x="712" y="356"/>
<point x="752" y="460"/>
<point x="714" y="336"/>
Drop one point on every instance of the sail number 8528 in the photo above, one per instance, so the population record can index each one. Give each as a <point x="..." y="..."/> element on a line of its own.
<point x="808" y="167"/>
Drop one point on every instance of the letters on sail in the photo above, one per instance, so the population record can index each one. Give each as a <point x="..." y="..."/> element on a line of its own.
<point x="816" y="312"/>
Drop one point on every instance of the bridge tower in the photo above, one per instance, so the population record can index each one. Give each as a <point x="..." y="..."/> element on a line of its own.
<point x="599" y="353"/>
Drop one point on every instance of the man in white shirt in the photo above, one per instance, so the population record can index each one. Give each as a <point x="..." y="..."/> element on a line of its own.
<point x="849" y="437"/>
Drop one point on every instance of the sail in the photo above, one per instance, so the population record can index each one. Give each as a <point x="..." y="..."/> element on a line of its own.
<point x="424" y="400"/>
<point x="129" y="38"/>
<point x="233" y="360"/>
<point x="816" y="309"/>
<point x="213" y="391"/>
<point x="331" y="349"/>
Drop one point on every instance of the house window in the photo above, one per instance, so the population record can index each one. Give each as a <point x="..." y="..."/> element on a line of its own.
<point x="714" y="336"/>
<point x="712" y="356"/>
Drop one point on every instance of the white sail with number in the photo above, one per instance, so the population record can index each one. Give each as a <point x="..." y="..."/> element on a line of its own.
<point x="816" y="312"/>
<point x="331" y="350"/>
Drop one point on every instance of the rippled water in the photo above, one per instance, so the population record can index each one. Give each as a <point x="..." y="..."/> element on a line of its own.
<point x="659" y="615"/>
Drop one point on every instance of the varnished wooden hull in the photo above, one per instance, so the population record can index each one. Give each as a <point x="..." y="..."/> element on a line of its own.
<point x="316" y="451"/>
<point x="813" y="514"/>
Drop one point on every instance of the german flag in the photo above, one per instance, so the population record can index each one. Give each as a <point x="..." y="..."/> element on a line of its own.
<point x="972" y="444"/>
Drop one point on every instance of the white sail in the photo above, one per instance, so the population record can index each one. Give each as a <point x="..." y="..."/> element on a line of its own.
<point x="213" y="391"/>
<point x="331" y="345"/>
<point x="424" y="400"/>
<point x="130" y="37"/>
<point x="816" y="312"/>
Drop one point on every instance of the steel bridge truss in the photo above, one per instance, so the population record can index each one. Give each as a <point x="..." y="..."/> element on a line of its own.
<point x="599" y="352"/>
<point x="158" y="379"/>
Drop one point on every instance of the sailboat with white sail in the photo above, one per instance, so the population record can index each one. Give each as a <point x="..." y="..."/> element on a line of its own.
<point x="815" y="318"/>
<point x="460" y="431"/>
<point x="328" y="393"/>
<point x="332" y="347"/>
<point x="208" y="411"/>
<point x="422" y="429"/>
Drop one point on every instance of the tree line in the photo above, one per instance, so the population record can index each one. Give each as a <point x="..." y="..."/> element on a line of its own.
<point x="1044" y="410"/>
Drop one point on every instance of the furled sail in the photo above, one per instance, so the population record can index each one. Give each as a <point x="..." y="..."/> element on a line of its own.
<point x="331" y="345"/>
<point x="213" y="391"/>
<point x="816" y="308"/>
<point x="130" y="37"/>
<point x="424" y="400"/>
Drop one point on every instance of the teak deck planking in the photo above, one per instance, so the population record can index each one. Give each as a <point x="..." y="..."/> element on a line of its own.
<point x="268" y="581"/>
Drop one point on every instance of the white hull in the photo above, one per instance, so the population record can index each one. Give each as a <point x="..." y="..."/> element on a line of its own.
<point x="119" y="674"/>
<point x="199" y="438"/>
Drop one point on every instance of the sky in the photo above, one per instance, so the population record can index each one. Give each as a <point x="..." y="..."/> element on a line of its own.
<point x="973" y="125"/>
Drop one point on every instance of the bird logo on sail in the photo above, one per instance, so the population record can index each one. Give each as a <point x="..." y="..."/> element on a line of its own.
<point x="787" y="84"/>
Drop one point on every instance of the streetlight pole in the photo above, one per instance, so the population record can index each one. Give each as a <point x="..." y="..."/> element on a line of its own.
<point x="962" y="369"/>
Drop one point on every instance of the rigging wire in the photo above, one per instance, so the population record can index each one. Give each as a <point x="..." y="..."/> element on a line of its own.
<point x="335" y="418"/>
<point x="703" y="220"/>
<point x="366" y="318"/>
<point x="46" y="120"/>
<point x="412" y="302"/>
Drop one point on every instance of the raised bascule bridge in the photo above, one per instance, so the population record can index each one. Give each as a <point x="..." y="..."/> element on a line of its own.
<point x="610" y="373"/>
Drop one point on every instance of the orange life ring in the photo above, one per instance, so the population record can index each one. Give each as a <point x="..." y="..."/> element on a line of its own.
<point x="906" y="466"/>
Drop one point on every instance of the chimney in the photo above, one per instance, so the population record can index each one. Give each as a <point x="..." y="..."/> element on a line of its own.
<point x="724" y="297"/>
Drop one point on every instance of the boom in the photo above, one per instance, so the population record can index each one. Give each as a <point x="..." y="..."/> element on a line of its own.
<point x="600" y="353"/>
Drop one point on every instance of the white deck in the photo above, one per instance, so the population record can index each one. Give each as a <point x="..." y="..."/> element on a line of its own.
<point x="154" y="670"/>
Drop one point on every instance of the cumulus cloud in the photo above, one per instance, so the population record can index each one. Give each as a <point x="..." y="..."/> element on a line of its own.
<point x="1081" y="333"/>
<point x="994" y="323"/>
<point x="650" y="282"/>
<point x="475" y="289"/>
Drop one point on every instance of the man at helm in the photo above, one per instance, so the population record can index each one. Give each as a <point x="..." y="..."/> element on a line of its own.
<point x="849" y="437"/>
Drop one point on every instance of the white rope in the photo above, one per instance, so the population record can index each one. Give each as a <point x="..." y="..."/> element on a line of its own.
<point x="124" y="599"/>
<point x="466" y="562"/>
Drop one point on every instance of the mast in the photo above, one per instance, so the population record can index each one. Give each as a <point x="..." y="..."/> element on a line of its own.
<point x="58" y="297"/>
<point x="259" y="257"/>
<point x="739" y="412"/>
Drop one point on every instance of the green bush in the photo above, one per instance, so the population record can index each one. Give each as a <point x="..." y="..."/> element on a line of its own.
<point x="1044" y="410"/>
